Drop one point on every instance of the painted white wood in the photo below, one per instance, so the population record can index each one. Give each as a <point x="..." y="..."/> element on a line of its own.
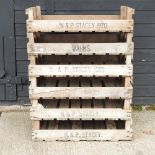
<point x="83" y="92"/>
<point x="80" y="48"/>
<point x="77" y="70"/>
<point x="76" y="135"/>
<point x="80" y="25"/>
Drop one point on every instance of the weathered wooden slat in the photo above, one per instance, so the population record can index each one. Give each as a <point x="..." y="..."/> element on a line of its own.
<point x="80" y="48"/>
<point x="80" y="25"/>
<point x="77" y="70"/>
<point x="39" y="113"/>
<point x="79" y="17"/>
<point x="83" y="92"/>
<point x="75" y="135"/>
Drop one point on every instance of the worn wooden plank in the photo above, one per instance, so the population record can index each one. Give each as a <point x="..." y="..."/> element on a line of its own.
<point x="77" y="70"/>
<point x="128" y="13"/>
<point x="39" y="113"/>
<point x="75" y="135"/>
<point x="79" y="25"/>
<point x="140" y="30"/>
<point x="79" y="17"/>
<point x="83" y="92"/>
<point x="140" y="92"/>
<point x="79" y="48"/>
<point x="20" y="17"/>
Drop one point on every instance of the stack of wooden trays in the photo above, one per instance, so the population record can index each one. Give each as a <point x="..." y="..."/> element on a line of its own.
<point x="81" y="75"/>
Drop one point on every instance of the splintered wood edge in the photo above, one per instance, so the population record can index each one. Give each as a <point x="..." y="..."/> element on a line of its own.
<point x="123" y="11"/>
<point x="77" y="135"/>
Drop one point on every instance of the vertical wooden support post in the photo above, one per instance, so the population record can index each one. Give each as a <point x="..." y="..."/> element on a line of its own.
<point x="33" y="13"/>
<point x="38" y="12"/>
<point x="127" y="13"/>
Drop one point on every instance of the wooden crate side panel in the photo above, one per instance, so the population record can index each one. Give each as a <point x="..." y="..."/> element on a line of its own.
<point x="76" y="135"/>
<point x="77" y="70"/>
<point x="79" y="17"/>
<point x="39" y="113"/>
<point x="80" y="48"/>
<point x="79" y="25"/>
<point x="83" y="92"/>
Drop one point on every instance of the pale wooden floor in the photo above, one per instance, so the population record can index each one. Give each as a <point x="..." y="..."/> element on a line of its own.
<point x="15" y="139"/>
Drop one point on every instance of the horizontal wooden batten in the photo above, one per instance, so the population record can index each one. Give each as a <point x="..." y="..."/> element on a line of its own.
<point x="79" y="17"/>
<point x="40" y="113"/>
<point x="80" y="70"/>
<point x="80" y="48"/>
<point x="79" y="25"/>
<point x="76" y="135"/>
<point x="80" y="92"/>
